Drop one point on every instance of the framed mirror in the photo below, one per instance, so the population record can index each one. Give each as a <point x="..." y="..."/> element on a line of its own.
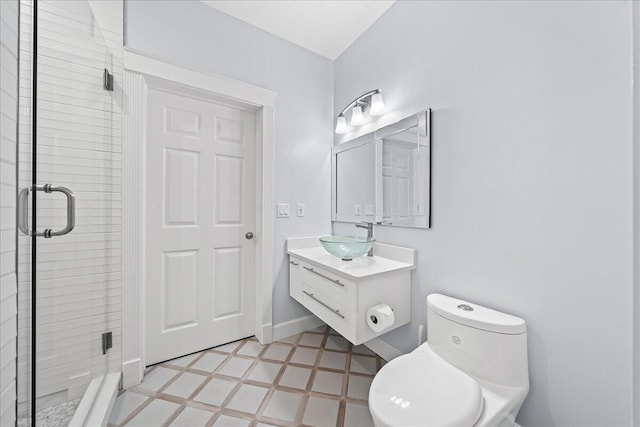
<point x="384" y="177"/>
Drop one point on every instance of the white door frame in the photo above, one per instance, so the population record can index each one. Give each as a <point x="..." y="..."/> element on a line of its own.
<point x="140" y="72"/>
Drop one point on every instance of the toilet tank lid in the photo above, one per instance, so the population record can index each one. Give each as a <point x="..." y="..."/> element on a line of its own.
<point x="475" y="316"/>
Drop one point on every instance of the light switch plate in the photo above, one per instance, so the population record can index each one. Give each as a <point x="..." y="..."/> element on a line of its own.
<point x="300" y="209"/>
<point x="283" y="210"/>
<point x="358" y="211"/>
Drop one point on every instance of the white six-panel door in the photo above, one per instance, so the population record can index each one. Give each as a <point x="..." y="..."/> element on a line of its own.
<point x="200" y="204"/>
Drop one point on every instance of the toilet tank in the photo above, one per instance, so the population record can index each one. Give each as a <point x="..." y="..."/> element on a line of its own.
<point x="484" y="343"/>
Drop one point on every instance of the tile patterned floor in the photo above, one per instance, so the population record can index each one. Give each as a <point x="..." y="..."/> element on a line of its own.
<point x="316" y="379"/>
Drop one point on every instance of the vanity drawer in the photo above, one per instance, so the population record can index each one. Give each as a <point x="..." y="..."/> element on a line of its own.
<point x="330" y="311"/>
<point x="331" y="285"/>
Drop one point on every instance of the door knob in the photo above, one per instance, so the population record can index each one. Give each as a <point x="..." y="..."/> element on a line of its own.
<point x="249" y="235"/>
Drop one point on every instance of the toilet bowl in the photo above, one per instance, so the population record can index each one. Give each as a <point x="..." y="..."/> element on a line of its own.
<point x="473" y="371"/>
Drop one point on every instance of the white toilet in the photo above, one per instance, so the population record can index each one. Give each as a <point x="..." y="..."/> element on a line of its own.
<point x="473" y="371"/>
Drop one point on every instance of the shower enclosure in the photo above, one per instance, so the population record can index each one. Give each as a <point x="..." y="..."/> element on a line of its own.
<point x="68" y="206"/>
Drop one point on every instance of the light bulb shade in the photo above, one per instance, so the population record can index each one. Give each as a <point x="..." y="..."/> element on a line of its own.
<point x="341" y="125"/>
<point x="357" y="118"/>
<point x="377" y="104"/>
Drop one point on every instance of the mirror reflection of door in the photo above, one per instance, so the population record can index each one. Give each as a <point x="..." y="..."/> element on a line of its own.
<point x="398" y="182"/>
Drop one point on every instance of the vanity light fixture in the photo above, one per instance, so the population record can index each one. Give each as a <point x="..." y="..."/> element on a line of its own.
<point x="341" y="125"/>
<point x="357" y="118"/>
<point x="370" y="102"/>
<point x="377" y="104"/>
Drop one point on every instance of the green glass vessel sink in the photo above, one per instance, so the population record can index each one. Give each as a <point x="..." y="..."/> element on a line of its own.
<point x="347" y="247"/>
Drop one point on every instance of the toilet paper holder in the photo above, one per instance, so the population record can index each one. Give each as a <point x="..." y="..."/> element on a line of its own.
<point x="374" y="318"/>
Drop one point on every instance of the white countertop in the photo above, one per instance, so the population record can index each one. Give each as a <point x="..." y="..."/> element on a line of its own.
<point x="359" y="268"/>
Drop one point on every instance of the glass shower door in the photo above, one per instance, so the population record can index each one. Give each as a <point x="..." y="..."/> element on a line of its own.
<point x="69" y="250"/>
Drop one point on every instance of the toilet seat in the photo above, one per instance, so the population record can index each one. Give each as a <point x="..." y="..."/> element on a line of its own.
<point x="423" y="390"/>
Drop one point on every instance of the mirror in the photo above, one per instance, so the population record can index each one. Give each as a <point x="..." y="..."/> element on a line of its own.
<point x="385" y="176"/>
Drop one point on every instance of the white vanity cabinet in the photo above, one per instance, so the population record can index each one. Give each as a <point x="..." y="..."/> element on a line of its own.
<point x="341" y="292"/>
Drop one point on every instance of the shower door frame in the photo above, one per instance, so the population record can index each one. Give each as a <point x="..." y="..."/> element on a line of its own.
<point x="97" y="393"/>
<point x="138" y="68"/>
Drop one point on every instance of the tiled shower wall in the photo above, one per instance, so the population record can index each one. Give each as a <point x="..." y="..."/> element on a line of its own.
<point x="79" y="147"/>
<point x="8" y="144"/>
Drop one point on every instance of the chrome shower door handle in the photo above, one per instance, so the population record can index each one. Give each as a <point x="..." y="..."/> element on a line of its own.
<point x="23" y="211"/>
<point x="71" y="210"/>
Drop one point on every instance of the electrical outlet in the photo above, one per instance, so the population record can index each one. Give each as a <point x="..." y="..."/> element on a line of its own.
<point x="368" y="210"/>
<point x="300" y="209"/>
<point x="283" y="210"/>
<point x="358" y="210"/>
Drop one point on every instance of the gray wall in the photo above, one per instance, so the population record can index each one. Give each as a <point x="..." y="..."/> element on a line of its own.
<point x="532" y="180"/>
<point x="8" y="163"/>
<point x="193" y="34"/>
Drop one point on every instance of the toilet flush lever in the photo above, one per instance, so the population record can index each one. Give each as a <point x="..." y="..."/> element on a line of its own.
<point x="465" y="307"/>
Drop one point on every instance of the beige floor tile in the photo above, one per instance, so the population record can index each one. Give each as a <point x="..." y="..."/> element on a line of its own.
<point x="192" y="417"/>
<point x="228" y="348"/>
<point x="215" y="392"/>
<point x="295" y="377"/>
<point x="333" y="360"/>
<point x="312" y="340"/>
<point x="248" y="398"/>
<point x="277" y="351"/>
<point x="235" y="367"/>
<point x="336" y="343"/>
<point x="283" y="405"/>
<point x="184" y="360"/>
<point x="185" y="385"/>
<point x="157" y="378"/>
<point x="229" y="421"/>
<point x="321" y="412"/>
<point x="363" y="364"/>
<point x="265" y="372"/>
<point x="328" y="382"/>
<point x="209" y="362"/>
<point x="358" y="387"/>
<point x="305" y="356"/>
<point x="357" y="416"/>
<point x="289" y="340"/>
<point x="251" y="348"/>
<point x="156" y="413"/>
<point x="124" y="405"/>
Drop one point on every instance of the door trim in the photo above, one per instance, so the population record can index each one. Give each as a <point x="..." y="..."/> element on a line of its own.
<point x="140" y="72"/>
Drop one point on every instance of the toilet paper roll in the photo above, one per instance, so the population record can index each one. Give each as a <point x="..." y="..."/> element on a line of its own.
<point x="380" y="317"/>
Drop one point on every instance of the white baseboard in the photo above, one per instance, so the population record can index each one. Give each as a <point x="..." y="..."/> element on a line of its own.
<point x="383" y="349"/>
<point x="295" y="326"/>
<point x="132" y="372"/>
<point x="266" y="334"/>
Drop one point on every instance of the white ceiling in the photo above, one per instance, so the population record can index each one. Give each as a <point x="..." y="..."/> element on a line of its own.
<point x="327" y="27"/>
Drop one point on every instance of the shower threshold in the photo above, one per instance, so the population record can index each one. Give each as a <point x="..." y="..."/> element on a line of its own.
<point x="96" y="404"/>
<point x="92" y="409"/>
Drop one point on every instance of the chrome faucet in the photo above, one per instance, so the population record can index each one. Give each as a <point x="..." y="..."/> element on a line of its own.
<point x="369" y="227"/>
